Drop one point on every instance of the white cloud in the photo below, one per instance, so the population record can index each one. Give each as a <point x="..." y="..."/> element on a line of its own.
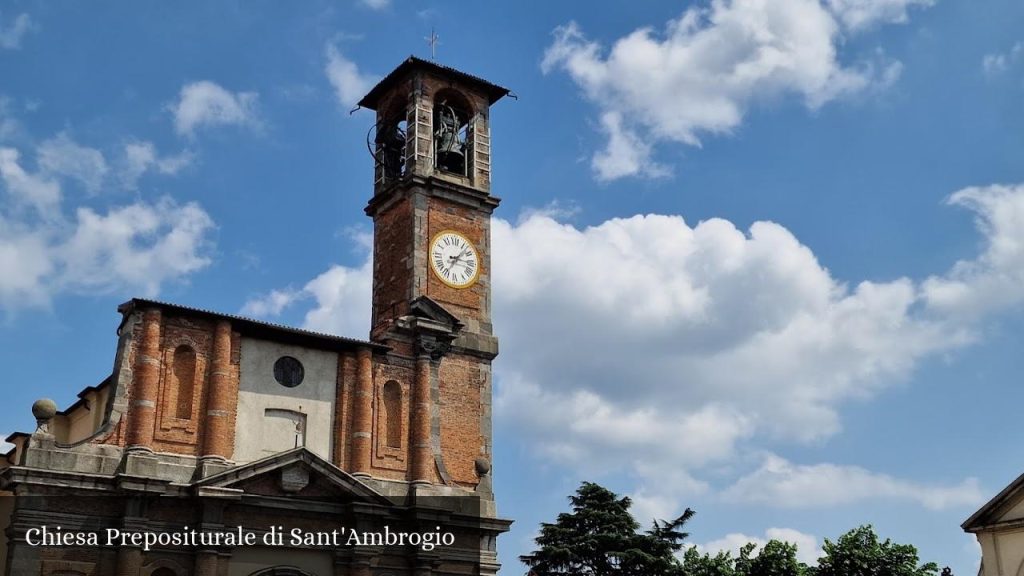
<point x="807" y="548"/>
<point x="25" y="189"/>
<point x="140" y="157"/>
<point x="271" y="304"/>
<point x="62" y="156"/>
<point x="43" y="253"/>
<point x="991" y="282"/>
<point x="140" y="246"/>
<point x="689" y="345"/>
<point x="709" y="66"/>
<point x="784" y="484"/>
<point x="205" y="103"/>
<point x="12" y="34"/>
<point x="134" y="248"/>
<point x="858" y="15"/>
<point x="340" y="296"/>
<point x="753" y="321"/>
<point x="26" y="262"/>
<point x="997" y="63"/>
<point x="349" y="84"/>
<point x="660" y="489"/>
<point x="625" y="154"/>
<point x="554" y="209"/>
<point x="585" y="429"/>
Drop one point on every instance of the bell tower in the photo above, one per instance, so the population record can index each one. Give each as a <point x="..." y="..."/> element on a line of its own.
<point x="431" y="204"/>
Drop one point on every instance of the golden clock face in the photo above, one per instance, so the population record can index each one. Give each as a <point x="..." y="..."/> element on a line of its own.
<point x="454" y="259"/>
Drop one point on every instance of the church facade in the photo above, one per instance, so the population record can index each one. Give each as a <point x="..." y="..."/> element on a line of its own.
<point x="999" y="528"/>
<point x="214" y="422"/>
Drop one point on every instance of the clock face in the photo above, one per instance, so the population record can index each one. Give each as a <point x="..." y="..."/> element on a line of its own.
<point x="454" y="259"/>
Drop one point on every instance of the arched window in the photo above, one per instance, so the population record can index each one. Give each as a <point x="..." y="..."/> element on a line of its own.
<point x="184" y="371"/>
<point x="163" y="572"/>
<point x="452" y="132"/>
<point x="393" y="414"/>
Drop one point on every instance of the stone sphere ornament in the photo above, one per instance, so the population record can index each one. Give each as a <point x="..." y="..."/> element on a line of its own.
<point x="483" y="466"/>
<point x="44" y="409"/>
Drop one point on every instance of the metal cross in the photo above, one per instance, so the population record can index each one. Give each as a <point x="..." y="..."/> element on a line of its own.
<point x="432" y="40"/>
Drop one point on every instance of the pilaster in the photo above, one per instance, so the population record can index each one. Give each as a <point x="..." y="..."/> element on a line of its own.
<point x="362" y="414"/>
<point x="222" y="399"/>
<point x="142" y="415"/>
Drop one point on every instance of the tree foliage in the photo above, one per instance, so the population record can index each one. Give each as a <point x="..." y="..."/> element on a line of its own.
<point x="774" y="559"/>
<point x="599" y="537"/>
<point x="859" y="553"/>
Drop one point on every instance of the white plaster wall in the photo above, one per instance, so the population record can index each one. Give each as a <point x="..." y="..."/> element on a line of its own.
<point x="257" y="436"/>
<point x="1003" y="552"/>
<point x="1015" y="513"/>
<point x="988" y="554"/>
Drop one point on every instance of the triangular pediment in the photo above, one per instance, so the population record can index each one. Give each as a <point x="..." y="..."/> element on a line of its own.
<point x="297" y="472"/>
<point x="425" y="307"/>
<point x="1005" y="507"/>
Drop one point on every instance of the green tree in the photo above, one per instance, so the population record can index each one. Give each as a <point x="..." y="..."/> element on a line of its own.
<point x="774" y="559"/>
<point x="695" y="564"/>
<point x="859" y="553"/>
<point x="599" y="537"/>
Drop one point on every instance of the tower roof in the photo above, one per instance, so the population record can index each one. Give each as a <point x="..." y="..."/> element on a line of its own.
<point x="413" y="64"/>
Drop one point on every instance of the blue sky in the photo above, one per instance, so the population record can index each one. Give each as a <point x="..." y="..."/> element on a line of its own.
<point x="759" y="258"/>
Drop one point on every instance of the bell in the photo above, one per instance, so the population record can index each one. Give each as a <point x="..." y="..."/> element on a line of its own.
<point x="449" y="150"/>
<point x="392" y="150"/>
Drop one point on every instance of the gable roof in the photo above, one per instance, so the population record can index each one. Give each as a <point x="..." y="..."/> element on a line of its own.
<point x="989" y="513"/>
<point x="303" y="456"/>
<point x="412" y="64"/>
<point x="255" y="328"/>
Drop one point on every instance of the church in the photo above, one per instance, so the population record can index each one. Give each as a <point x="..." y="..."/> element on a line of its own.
<point x="215" y="423"/>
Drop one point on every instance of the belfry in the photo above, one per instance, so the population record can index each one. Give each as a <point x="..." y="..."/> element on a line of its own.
<point x="219" y="423"/>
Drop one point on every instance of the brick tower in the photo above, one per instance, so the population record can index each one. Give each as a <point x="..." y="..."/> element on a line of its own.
<point x="431" y="210"/>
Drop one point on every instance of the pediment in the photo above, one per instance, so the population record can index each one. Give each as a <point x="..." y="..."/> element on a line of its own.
<point x="295" y="473"/>
<point x="425" y="307"/>
<point x="1005" y="508"/>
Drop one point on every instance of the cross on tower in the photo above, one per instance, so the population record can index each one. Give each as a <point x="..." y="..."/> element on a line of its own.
<point x="432" y="41"/>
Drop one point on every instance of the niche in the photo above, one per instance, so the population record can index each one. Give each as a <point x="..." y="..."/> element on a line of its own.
<point x="183" y="371"/>
<point x="393" y="414"/>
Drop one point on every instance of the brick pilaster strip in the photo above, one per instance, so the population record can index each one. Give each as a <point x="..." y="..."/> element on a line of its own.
<point x="221" y="398"/>
<point x="146" y="383"/>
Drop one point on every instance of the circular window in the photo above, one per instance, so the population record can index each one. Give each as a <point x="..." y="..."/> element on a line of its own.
<point x="288" y="371"/>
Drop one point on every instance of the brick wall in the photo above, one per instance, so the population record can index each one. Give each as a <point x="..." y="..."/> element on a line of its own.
<point x="392" y="250"/>
<point x="467" y="303"/>
<point x="460" y="406"/>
